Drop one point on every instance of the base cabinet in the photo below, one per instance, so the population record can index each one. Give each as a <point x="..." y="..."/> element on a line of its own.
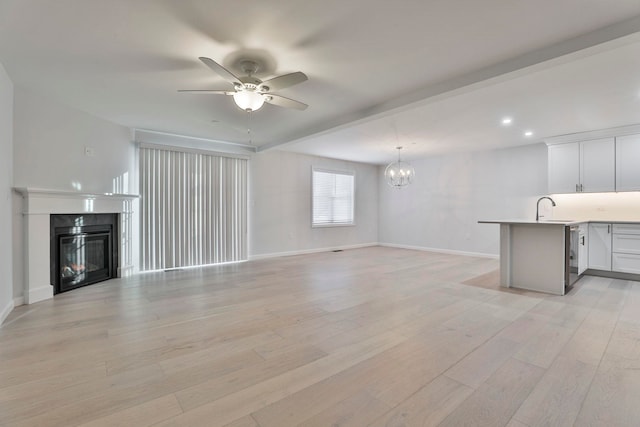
<point x="600" y="246"/>
<point x="583" y="248"/>
<point x="626" y="263"/>
<point x="614" y="247"/>
<point x="626" y="248"/>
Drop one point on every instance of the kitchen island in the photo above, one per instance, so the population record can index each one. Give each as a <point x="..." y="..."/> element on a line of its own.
<point x="536" y="255"/>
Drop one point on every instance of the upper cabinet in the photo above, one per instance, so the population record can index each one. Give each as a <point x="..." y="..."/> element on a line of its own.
<point x="564" y="168"/>
<point x="628" y="163"/>
<point x="598" y="165"/>
<point x="586" y="166"/>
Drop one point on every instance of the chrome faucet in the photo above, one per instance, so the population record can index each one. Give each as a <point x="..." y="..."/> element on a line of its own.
<point x="538" y="206"/>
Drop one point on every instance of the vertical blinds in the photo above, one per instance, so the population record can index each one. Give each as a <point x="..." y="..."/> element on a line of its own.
<point x="193" y="208"/>
<point x="333" y="196"/>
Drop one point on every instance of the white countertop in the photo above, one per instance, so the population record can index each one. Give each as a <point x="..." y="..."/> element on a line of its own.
<point x="562" y="222"/>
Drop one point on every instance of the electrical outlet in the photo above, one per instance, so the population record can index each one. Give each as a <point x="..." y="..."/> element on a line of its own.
<point x="88" y="151"/>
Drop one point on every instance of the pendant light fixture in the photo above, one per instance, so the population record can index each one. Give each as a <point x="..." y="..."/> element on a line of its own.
<point x="399" y="174"/>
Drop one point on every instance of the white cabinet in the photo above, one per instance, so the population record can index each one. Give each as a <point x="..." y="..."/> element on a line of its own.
<point x="583" y="245"/>
<point x="622" y="228"/>
<point x="627" y="163"/>
<point x="564" y="168"/>
<point x="626" y="263"/>
<point x="598" y="166"/>
<point x="600" y="246"/>
<point x="626" y="248"/>
<point x="614" y="247"/>
<point x="587" y="166"/>
<point x="626" y="243"/>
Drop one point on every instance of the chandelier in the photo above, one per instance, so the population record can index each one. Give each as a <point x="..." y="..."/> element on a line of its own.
<point x="399" y="174"/>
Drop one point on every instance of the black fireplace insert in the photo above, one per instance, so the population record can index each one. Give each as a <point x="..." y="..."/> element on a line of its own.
<point x="84" y="250"/>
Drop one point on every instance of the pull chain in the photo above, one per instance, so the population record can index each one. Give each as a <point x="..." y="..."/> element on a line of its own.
<point x="249" y="127"/>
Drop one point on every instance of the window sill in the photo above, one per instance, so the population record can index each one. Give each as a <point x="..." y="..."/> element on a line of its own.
<point x="332" y="225"/>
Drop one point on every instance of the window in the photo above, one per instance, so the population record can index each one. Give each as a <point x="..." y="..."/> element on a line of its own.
<point x="333" y="198"/>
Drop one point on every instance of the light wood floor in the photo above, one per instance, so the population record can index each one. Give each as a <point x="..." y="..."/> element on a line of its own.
<point x="374" y="336"/>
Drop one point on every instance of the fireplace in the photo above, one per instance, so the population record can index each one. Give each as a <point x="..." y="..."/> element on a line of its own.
<point x="84" y="250"/>
<point x="40" y="241"/>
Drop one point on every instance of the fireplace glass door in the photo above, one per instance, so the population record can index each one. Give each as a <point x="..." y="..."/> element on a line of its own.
<point x="84" y="259"/>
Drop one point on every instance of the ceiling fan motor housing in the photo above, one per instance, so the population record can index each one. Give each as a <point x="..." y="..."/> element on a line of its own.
<point x="253" y="83"/>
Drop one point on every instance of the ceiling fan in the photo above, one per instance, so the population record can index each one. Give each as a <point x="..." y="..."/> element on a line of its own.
<point x="249" y="92"/>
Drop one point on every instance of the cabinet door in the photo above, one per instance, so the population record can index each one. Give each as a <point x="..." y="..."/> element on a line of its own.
<point x="627" y="163"/>
<point x="564" y="168"/>
<point x="626" y="263"/>
<point x="583" y="249"/>
<point x="598" y="165"/>
<point x="625" y="228"/>
<point x="600" y="246"/>
<point x="626" y="244"/>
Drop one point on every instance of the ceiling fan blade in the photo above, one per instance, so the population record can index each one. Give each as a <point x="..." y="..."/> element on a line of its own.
<point x="281" y="101"/>
<point x="207" y="92"/>
<point x="220" y="70"/>
<point x="283" y="81"/>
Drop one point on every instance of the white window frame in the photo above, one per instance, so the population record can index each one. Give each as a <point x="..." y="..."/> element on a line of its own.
<point x="353" y="205"/>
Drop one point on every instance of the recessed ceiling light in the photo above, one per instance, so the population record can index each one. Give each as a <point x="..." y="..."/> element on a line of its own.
<point x="506" y="121"/>
<point x="528" y="133"/>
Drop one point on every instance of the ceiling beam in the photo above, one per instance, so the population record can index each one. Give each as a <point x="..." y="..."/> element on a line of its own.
<point x="605" y="38"/>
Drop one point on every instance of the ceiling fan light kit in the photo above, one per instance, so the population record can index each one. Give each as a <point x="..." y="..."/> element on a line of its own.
<point x="399" y="174"/>
<point x="249" y="100"/>
<point x="249" y="92"/>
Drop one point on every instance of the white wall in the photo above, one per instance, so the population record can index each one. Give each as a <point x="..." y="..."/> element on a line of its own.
<point x="598" y="206"/>
<point x="6" y="178"/>
<point x="49" y="148"/>
<point x="451" y="193"/>
<point x="280" y="205"/>
<point x="49" y="153"/>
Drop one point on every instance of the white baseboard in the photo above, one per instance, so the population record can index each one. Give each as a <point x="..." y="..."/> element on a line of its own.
<point x="311" y="251"/>
<point x="125" y="271"/>
<point x="39" y="294"/>
<point x="442" y="251"/>
<point x="5" y="311"/>
<point x="364" y="245"/>
<point x="17" y="302"/>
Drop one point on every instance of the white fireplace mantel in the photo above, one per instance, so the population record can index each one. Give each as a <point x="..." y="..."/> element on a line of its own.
<point x="39" y="204"/>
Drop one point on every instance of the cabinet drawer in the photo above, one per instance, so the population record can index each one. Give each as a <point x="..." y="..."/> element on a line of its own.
<point x="626" y="263"/>
<point x="626" y="243"/>
<point x="626" y="228"/>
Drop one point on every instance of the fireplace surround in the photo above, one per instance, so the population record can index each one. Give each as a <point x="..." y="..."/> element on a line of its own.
<point x="39" y="205"/>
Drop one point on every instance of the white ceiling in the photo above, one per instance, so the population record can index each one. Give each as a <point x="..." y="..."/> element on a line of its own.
<point x="439" y="74"/>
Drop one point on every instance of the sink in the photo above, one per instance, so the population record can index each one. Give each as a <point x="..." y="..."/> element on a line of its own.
<point x="556" y="220"/>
